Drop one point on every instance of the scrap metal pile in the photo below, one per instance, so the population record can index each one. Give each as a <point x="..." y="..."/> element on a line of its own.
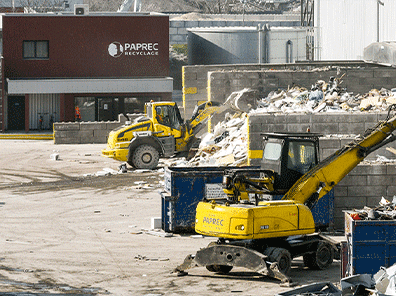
<point x="227" y="145"/>
<point x="386" y="210"/>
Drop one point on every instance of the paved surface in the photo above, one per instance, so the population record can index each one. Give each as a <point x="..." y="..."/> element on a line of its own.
<point x="66" y="231"/>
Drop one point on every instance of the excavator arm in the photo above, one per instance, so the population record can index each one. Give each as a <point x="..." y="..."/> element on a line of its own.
<point x="202" y="113"/>
<point x="322" y="178"/>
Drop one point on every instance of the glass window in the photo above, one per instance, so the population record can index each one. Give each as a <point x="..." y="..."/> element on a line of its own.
<point x="85" y="108"/>
<point x="272" y="151"/>
<point x="35" y="49"/>
<point x="301" y="156"/>
<point x="42" y="49"/>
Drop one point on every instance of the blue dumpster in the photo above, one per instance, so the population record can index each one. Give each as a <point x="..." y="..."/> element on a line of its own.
<point x="185" y="187"/>
<point x="370" y="244"/>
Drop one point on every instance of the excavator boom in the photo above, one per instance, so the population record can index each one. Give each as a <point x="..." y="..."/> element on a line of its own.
<point x="322" y="178"/>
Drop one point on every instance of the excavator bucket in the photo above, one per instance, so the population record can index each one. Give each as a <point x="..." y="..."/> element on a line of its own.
<point x="243" y="100"/>
<point x="224" y="257"/>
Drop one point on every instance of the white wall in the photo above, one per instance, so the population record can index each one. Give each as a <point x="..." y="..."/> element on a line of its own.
<point x="346" y="27"/>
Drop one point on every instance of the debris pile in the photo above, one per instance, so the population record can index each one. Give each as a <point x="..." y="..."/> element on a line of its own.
<point x="324" y="97"/>
<point x="225" y="146"/>
<point x="385" y="211"/>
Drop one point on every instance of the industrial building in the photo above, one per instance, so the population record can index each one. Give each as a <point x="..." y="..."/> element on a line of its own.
<point x="81" y="66"/>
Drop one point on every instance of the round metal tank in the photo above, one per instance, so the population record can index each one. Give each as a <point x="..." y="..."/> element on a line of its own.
<point x="246" y="45"/>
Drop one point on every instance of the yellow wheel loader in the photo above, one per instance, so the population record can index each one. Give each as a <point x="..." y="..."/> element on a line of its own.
<point x="264" y="235"/>
<point x="161" y="132"/>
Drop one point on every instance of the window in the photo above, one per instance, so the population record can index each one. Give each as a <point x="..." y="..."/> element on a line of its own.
<point x="36" y="49"/>
<point x="301" y="156"/>
<point x="272" y="151"/>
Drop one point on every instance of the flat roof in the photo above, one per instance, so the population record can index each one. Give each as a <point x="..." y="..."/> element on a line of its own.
<point x="88" y="85"/>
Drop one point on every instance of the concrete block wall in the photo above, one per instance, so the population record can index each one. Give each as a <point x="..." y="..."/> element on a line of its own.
<point x="83" y="132"/>
<point x="366" y="184"/>
<point x="217" y="82"/>
<point x="87" y="132"/>
<point x="178" y="27"/>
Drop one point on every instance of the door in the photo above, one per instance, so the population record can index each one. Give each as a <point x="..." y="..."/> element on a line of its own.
<point x="16" y="113"/>
<point x="107" y="109"/>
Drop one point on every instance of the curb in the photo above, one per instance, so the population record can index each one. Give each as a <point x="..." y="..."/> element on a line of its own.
<point x="26" y="136"/>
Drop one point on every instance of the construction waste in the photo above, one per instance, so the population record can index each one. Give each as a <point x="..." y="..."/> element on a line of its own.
<point x="227" y="145"/>
<point x="382" y="283"/>
<point x="386" y="210"/>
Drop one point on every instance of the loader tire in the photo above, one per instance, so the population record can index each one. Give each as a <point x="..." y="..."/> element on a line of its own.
<point x="145" y="157"/>
<point x="280" y="256"/>
<point x="321" y="258"/>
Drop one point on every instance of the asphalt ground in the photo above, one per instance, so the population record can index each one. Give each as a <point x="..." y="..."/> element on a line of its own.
<point x="69" y="227"/>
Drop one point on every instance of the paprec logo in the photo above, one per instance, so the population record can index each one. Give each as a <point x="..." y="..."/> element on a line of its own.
<point x="115" y="49"/>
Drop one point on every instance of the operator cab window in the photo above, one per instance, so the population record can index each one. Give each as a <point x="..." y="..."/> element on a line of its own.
<point x="36" y="50"/>
<point x="301" y="156"/>
<point x="169" y="116"/>
<point x="272" y="151"/>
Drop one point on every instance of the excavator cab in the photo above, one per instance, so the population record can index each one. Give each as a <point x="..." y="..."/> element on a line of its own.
<point x="289" y="155"/>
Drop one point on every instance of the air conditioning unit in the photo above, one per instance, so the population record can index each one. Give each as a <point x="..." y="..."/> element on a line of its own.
<point x="81" y="9"/>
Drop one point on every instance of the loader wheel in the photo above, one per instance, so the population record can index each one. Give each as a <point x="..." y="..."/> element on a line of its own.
<point x="280" y="256"/>
<point x="145" y="157"/>
<point x="219" y="268"/>
<point x="322" y="258"/>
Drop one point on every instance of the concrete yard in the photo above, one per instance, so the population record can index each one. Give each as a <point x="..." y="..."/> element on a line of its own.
<point x="66" y="232"/>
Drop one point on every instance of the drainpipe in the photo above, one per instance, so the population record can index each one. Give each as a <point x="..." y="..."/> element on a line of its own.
<point x="266" y="29"/>
<point x="289" y="51"/>
<point x="260" y="44"/>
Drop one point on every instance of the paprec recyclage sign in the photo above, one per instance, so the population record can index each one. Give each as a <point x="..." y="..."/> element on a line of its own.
<point x="117" y="49"/>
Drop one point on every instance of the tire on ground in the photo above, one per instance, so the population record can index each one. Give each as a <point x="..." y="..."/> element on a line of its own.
<point x="145" y="157"/>
<point x="322" y="258"/>
<point x="280" y="256"/>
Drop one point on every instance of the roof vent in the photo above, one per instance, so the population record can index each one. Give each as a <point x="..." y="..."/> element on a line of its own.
<point x="81" y="9"/>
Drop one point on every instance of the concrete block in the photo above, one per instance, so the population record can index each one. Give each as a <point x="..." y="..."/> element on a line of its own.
<point x="67" y="134"/>
<point x="373" y="201"/>
<point x="298" y="127"/>
<point x="66" y="126"/>
<point x="391" y="191"/>
<point x="384" y="72"/>
<point x="191" y="24"/>
<point x="350" y="128"/>
<point x="219" y="23"/>
<point x="92" y="125"/>
<point x="367" y="191"/>
<point x="325" y="128"/>
<point x="326" y="143"/>
<point x="327" y="118"/>
<point x="280" y="128"/>
<point x="351" y="180"/>
<point x="172" y="31"/>
<point x="340" y="191"/>
<point x="205" y="24"/>
<point x="176" y="24"/>
<point x="181" y="31"/>
<point x="349" y="202"/>
<point x="380" y="180"/>
<point x="359" y="73"/>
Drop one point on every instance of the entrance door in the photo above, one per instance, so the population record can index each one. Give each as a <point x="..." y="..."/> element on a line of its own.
<point x="16" y="113"/>
<point x="107" y="109"/>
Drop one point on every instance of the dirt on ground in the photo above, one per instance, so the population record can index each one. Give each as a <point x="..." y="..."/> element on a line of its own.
<point x="68" y="227"/>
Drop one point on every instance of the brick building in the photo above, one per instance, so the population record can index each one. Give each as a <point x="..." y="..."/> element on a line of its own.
<point x="102" y="63"/>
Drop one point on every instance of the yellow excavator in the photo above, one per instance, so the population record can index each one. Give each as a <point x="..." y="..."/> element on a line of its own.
<point x="264" y="235"/>
<point x="161" y="132"/>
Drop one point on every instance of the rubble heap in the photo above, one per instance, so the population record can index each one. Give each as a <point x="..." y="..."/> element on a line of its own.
<point x="227" y="145"/>
<point x="325" y="97"/>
